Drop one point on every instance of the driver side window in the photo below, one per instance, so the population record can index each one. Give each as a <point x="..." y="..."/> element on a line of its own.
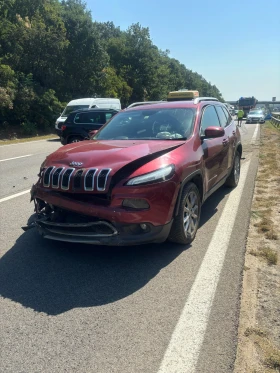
<point x="209" y="118"/>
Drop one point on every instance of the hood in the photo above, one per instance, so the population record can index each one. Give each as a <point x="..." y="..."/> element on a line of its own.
<point x="258" y="115"/>
<point x="109" y="154"/>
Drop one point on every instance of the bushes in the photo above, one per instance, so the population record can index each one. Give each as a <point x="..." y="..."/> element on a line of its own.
<point x="28" y="128"/>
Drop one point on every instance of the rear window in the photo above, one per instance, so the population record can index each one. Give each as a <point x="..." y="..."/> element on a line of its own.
<point x="70" y="109"/>
<point x="90" y="118"/>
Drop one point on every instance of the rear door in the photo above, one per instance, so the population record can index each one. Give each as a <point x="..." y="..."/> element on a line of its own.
<point x="230" y="132"/>
<point x="215" y="150"/>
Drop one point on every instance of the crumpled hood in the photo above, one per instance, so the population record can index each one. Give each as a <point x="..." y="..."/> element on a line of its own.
<point x="109" y="154"/>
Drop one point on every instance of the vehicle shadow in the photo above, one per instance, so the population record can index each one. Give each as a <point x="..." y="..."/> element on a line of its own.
<point x="54" y="277"/>
<point x="54" y="140"/>
<point x="209" y="208"/>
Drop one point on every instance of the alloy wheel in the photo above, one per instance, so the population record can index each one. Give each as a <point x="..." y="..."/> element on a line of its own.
<point x="191" y="213"/>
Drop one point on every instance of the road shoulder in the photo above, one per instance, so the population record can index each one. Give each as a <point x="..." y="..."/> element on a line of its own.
<point x="259" y="327"/>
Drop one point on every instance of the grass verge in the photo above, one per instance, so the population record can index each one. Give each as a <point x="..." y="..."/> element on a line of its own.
<point x="27" y="139"/>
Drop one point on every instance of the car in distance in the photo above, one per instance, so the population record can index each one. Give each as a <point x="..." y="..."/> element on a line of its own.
<point x="255" y="116"/>
<point x="142" y="178"/>
<point x="86" y="103"/>
<point x="80" y="123"/>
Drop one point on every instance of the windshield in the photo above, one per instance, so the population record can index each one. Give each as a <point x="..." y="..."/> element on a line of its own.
<point x="71" y="108"/>
<point x="255" y="112"/>
<point x="149" y="124"/>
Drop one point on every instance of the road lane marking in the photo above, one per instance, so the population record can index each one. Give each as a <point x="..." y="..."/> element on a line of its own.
<point x="255" y="134"/>
<point x="184" y="347"/>
<point x="14" y="195"/>
<point x="10" y="159"/>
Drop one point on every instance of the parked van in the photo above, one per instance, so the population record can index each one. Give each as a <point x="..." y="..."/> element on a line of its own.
<point x="86" y="103"/>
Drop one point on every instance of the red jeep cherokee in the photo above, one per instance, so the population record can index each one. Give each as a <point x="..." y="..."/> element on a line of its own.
<point x="141" y="178"/>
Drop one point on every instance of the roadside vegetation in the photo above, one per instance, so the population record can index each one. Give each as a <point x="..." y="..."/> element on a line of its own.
<point x="27" y="139"/>
<point x="259" y="330"/>
<point x="52" y="52"/>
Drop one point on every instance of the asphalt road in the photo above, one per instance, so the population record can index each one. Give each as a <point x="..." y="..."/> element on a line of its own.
<point x="151" y="309"/>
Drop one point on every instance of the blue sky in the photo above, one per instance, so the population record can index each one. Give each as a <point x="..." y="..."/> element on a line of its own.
<point x="233" y="44"/>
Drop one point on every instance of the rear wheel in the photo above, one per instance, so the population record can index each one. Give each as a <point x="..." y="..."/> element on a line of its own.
<point x="74" y="139"/>
<point x="233" y="178"/>
<point x="186" y="223"/>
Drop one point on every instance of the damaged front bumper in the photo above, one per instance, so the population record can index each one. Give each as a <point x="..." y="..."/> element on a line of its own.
<point x="62" y="225"/>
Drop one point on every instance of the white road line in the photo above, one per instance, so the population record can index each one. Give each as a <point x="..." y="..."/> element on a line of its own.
<point x="184" y="347"/>
<point x="14" y="195"/>
<point x="10" y="159"/>
<point x="255" y="134"/>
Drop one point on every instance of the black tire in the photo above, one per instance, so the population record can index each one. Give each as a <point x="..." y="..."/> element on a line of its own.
<point x="183" y="232"/>
<point x="233" y="178"/>
<point x="74" y="139"/>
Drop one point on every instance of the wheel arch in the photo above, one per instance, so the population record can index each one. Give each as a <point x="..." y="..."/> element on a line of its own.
<point x="197" y="179"/>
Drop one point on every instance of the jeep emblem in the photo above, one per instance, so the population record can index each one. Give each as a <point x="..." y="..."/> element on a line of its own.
<point x="75" y="164"/>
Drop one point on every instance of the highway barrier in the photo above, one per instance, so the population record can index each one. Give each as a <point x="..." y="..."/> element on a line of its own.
<point x="275" y="119"/>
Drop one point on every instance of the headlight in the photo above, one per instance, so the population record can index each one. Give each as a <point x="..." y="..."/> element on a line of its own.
<point x="162" y="174"/>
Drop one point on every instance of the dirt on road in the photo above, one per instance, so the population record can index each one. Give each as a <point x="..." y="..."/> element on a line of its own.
<point x="259" y="329"/>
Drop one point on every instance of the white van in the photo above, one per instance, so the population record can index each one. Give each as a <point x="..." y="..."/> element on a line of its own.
<point x="83" y="103"/>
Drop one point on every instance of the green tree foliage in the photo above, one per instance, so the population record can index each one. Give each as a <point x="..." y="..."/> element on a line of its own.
<point x="51" y="52"/>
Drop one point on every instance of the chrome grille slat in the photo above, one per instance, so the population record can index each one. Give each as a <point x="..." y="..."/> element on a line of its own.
<point x="47" y="176"/>
<point x="102" y="179"/>
<point x="89" y="179"/>
<point x="65" y="180"/>
<point x="60" y="177"/>
<point x="78" y="179"/>
<point x="56" y="177"/>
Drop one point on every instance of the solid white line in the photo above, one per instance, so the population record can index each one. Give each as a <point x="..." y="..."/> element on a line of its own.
<point x="255" y="134"/>
<point x="14" y="196"/>
<point x="10" y="159"/>
<point x="183" y="350"/>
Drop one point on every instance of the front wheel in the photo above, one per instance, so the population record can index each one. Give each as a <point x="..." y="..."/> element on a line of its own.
<point x="186" y="223"/>
<point x="233" y="178"/>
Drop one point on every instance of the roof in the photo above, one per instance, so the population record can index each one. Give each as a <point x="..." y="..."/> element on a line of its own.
<point x="86" y="110"/>
<point x="173" y="104"/>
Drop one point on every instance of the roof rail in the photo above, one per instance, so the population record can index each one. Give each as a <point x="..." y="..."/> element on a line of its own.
<point x="199" y="99"/>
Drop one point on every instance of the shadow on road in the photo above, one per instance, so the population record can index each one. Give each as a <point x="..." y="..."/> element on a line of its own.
<point x="209" y="208"/>
<point x="54" y="140"/>
<point x="54" y="277"/>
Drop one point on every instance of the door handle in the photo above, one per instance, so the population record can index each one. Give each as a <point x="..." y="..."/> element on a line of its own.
<point x="225" y="142"/>
<point x="233" y="132"/>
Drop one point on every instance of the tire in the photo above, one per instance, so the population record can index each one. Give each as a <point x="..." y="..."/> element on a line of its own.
<point x="186" y="223"/>
<point x="233" y="178"/>
<point x="74" y="139"/>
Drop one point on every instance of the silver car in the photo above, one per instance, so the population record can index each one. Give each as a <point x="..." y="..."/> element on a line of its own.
<point x="255" y="116"/>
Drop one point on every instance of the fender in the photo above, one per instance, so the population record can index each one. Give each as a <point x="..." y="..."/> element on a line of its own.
<point x="183" y="183"/>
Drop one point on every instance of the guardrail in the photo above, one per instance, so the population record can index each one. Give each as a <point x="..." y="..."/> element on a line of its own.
<point x="275" y="119"/>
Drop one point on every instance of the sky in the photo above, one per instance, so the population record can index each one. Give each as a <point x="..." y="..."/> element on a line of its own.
<point x="232" y="44"/>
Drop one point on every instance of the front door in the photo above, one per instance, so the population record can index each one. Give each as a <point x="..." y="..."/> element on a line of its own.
<point x="215" y="150"/>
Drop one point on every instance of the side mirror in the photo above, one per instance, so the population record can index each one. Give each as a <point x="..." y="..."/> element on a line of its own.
<point x="92" y="133"/>
<point x="213" y="132"/>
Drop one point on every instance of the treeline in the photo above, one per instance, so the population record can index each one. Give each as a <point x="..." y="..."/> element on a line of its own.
<point x="51" y="52"/>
